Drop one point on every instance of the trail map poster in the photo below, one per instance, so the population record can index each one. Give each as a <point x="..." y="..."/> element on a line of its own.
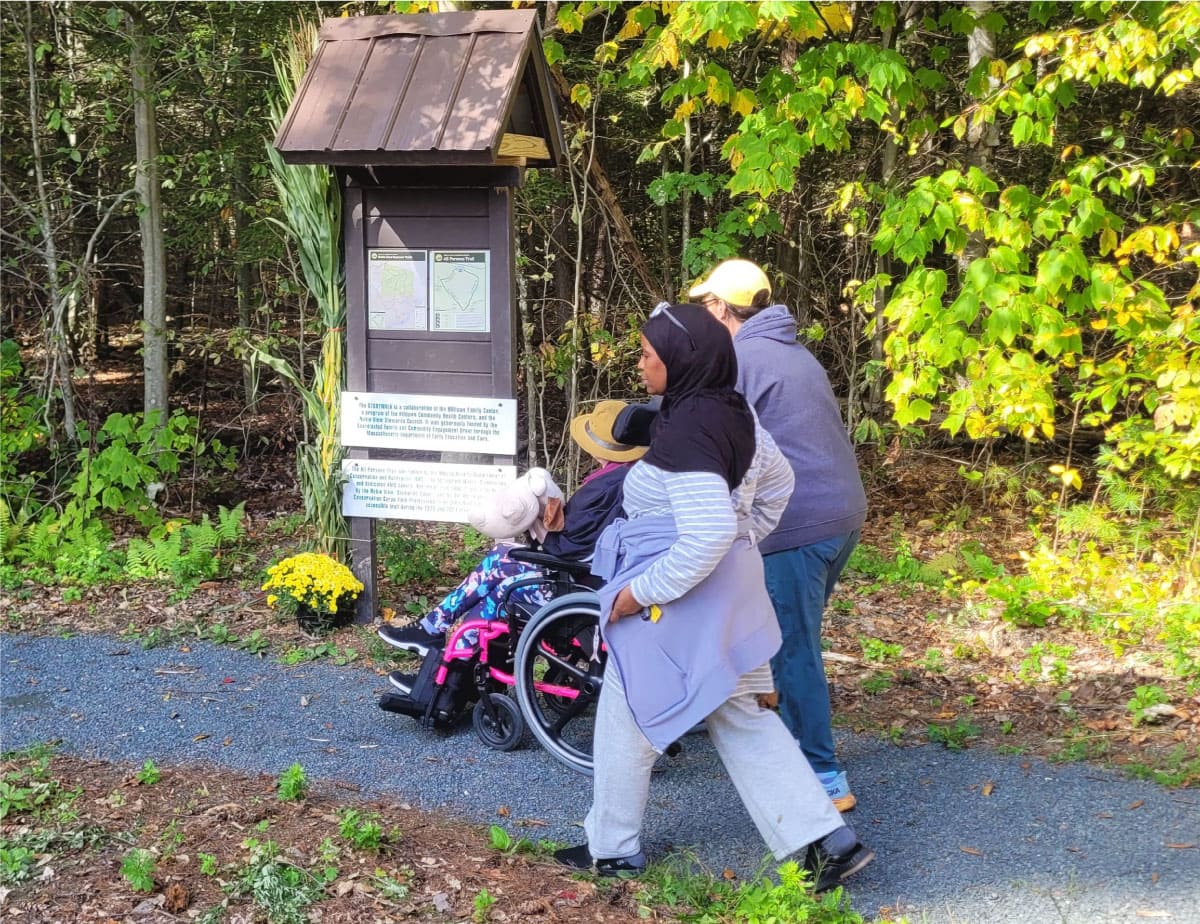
<point x="459" y="283"/>
<point x="397" y="289"/>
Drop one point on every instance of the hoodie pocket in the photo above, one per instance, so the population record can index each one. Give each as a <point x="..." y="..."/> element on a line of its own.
<point x="661" y="685"/>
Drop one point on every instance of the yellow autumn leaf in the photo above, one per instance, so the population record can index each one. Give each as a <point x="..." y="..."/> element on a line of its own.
<point x="631" y="29"/>
<point x="685" y="109"/>
<point x="743" y="102"/>
<point x="716" y="92"/>
<point x="717" y="40"/>
<point x="855" y="95"/>
<point x="1068" y="476"/>
<point x="666" y="49"/>
<point x="838" y="17"/>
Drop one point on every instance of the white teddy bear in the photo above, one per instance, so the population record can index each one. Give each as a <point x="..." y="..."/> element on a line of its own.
<point x="518" y="507"/>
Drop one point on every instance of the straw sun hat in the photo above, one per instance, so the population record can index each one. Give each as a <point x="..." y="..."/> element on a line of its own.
<point x="594" y="434"/>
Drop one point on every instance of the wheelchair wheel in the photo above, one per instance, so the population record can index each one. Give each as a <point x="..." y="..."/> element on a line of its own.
<point x="559" y="673"/>
<point x="503" y="730"/>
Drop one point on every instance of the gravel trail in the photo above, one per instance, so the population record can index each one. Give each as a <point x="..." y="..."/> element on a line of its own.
<point x="1072" y="844"/>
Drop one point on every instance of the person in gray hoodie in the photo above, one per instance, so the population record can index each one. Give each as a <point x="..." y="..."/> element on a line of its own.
<point x="808" y="549"/>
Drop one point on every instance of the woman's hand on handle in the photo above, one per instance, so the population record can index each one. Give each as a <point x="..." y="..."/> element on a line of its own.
<point x="626" y="604"/>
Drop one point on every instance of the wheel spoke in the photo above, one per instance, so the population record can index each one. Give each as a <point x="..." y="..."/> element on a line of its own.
<point x="582" y="701"/>
<point x="567" y="666"/>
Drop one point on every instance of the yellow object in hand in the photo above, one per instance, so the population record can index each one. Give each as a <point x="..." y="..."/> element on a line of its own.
<point x="655" y="612"/>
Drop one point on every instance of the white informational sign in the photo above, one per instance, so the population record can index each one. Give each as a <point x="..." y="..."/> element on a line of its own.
<point x="419" y="490"/>
<point x="459" y="286"/>
<point x="383" y="421"/>
<point x="397" y="289"/>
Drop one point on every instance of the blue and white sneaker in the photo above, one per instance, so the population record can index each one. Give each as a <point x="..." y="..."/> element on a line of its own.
<point x="838" y="790"/>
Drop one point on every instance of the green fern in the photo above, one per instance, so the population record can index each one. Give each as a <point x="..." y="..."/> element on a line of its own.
<point x="186" y="553"/>
<point x="229" y="522"/>
<point x="14" y="526"/>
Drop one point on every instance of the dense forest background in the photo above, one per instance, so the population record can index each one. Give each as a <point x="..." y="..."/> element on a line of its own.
<point x="984" y="215"/>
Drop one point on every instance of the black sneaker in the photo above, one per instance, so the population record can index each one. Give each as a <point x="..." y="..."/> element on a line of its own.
<point x="411" y="638"/>
<point x="402" y="682"/>
<point x="828" y="871"/>
<point x="581" y="858"/>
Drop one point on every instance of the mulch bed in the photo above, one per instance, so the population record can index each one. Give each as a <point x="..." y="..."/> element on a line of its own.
<point x="443" y="866"/>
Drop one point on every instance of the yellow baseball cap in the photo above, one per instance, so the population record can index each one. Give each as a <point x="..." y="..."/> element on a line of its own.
<point x="734" y="281"/>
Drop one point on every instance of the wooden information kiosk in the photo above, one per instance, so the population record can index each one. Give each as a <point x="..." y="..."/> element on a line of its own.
<point x="429" y="120"/>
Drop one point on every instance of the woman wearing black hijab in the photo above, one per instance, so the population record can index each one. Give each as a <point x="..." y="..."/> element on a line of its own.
<point x="686" y="562"/>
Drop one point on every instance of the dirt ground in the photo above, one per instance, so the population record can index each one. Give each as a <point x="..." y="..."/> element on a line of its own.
<point x="201" y="826"/>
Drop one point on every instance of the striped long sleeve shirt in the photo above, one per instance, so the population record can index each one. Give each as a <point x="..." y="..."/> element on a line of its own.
<point x="706" y="516"/>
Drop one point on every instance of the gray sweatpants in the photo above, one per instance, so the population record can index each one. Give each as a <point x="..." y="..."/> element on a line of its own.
<point x="785" y="799"/>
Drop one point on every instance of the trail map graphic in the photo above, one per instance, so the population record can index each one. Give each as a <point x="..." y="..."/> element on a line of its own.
<point x="398" y="289"/>
<point x="459" y="290"/>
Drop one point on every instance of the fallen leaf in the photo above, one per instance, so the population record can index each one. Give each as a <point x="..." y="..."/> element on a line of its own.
<point x="1136" y="805"/>
<point x="504" y="811"/>
<point x="228" y="680"/>
<point x="727" y="873"/>
<point x="227" y="742"/>
<point x="146" y="906"/>
<point x="176" y="898"/>
<point x="1104" y="814"/>
<point x="1181" y="846"/>
<point x="200" y="737"/>
<point x="972" y="851"/>
<point x="988" y="788"/>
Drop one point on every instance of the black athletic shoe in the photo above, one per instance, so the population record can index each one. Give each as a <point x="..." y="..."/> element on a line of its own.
<point x="402" y="682"/>
<point x="411" y="638"/>
<point x="828" y="871"/>
<point x="581" y="858"/>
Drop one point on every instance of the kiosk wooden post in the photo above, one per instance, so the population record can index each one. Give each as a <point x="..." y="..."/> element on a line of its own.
<point x="430" y="121"/>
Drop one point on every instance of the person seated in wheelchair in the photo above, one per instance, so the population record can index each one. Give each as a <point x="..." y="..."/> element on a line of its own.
<point x="567" y="531"/>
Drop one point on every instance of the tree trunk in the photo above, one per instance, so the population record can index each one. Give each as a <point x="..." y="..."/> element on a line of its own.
<point x="60" y="364"/>
<point x="245" y="275"/>
<point x="981" y="137"/>
<point x="887" y="167"/>
<point x="150" y="220"/>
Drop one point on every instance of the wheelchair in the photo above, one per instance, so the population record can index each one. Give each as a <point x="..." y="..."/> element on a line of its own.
<point x="536" y="667"/>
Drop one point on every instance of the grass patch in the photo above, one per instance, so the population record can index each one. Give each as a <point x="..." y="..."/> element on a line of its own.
<point x="682" y="888"/>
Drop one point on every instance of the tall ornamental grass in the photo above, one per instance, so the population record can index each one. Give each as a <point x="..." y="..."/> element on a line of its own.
<point x="312" y="214"/>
